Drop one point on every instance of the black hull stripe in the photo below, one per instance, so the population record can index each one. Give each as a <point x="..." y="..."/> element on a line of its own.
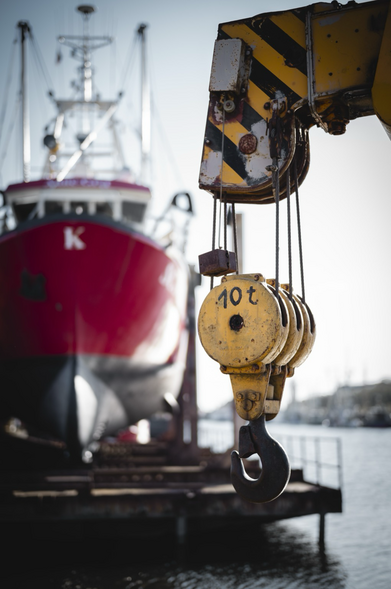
<point x="294" y="54"/>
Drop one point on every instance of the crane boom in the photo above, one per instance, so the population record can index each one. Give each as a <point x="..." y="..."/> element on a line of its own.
<point x="276" y="75"/>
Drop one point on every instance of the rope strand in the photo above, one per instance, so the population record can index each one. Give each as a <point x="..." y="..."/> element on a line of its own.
<point x="299" y="233"/>
<point x="277" y="200"/>
<point x="235" y="237"/>
<point x="288" y="199"/>
<point x="213" y="232"/>
<point x="221" y="173"/>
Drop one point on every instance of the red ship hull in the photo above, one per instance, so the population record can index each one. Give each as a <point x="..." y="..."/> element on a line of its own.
<point x="92" y="326"/>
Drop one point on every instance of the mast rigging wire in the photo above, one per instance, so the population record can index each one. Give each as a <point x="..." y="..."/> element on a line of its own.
<point x="8" y="85"/>
<point x="129" y="61"/>
<point x="10" y="130"/>
<point x="41" y="65"/>
<point x="167" y="147"/>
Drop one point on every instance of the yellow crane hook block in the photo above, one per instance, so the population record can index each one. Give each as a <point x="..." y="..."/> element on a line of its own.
<point x="281" y="369"/>
<point x="243" y="326"/>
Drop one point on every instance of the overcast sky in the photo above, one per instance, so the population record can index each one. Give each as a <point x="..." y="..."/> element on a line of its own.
<point x="345" y="198"/>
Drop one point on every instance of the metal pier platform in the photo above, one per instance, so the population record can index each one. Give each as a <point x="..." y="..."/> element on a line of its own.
<point x="148" y="498"/>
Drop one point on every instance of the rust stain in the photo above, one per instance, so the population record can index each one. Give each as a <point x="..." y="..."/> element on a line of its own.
<point x="248" y="144"/>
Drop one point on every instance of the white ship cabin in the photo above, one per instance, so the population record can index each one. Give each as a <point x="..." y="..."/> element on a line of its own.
<point x="121" y="201"/>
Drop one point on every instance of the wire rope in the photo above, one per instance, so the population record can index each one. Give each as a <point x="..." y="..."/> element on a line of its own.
<point x="221" y="171"/>
<point x="299" y="232"/>
<point x="129" y="61"/>
<point x="14" y="118"/>
<point x="213" y="231"/>
<point x="288" y="199"/>
<point x="277" y="201"/>
<point x="8" y="85"/>
<point x="37" y="87"/>
<point x="41" y="65"/>
<point x="235" y="237"/>
<point x="167" y="147"/>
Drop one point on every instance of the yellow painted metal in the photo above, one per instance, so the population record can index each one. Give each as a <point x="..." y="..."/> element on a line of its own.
<point x="309" y="336"/>
<point x="249" y="388"/>
<point x="233" y="131"/>
<point x="269" y="57"/>
<point x="296" y="328"/>
<point x="246" y="300"/>
<point x="345" y="46"/>
<point x="280" y="363"/>
<point x="292" y="26"/>
<point x="381" y="90"/>
<point x="230" y="176"/>
<point x="275" y="391"/>
<point x="249" y="173"/>
<point x="257" y="99"/>
<point x="243" y="327"/>
<point x="296" y="350"/>
<point x="322" y="58"/>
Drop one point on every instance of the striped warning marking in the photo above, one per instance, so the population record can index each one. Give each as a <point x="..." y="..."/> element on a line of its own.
<point x="294" y="53"/>
<point x="278" y="69"/>
<point x="214" y="136"/>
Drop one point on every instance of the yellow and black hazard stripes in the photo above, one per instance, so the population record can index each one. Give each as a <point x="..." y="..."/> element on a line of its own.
<point x="294" y="54"/>
<point x="266" y="81"/>
<point x="278" y="60"/>
<point x="277" y="69"/>
<point x="292" y="23"/>
<point x="214" y="138"/>
<point x="249" y="116"/>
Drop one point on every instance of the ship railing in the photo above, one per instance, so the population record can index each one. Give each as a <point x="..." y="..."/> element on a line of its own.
<point x="172" y="226"/>
<point x="319" y="457"/>
<point x="218" y="435"/>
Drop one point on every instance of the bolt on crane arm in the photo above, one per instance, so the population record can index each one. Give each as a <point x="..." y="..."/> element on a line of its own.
<point x="276" y="75"/>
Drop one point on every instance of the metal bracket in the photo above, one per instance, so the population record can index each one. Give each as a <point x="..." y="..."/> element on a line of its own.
<point x="310" y="72"/>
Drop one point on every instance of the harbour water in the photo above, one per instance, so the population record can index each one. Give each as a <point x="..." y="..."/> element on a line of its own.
<point x="280" y="555"/>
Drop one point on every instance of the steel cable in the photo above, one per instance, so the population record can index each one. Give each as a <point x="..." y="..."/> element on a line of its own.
<point x="7" y="86"/>
<point x="277" y="201"/>
<point x="299" y="233"/>
<point x="235" y="237"/>
<point x="288" y="199"/>
<point x="213" y="231"/>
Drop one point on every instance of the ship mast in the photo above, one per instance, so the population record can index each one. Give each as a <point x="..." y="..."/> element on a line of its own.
<point x="86" y="69"/>
<point x="145" y="108"/>
<point x="89" y="102"/>
<point x="82" y="48"/>
<point x="24" y="31"/>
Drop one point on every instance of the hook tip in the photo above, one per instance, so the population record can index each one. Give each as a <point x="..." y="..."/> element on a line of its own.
<point x="275" y="471"/>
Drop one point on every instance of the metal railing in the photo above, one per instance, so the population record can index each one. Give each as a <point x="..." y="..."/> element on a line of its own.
<point x="319" y="457"/>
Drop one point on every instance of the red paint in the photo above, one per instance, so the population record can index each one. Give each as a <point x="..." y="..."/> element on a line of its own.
<point x="110" y="298"/>
<point x="76" y="183"/>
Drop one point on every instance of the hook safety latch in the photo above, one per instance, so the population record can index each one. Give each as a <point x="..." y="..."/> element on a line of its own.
<point x="255" y="439"/>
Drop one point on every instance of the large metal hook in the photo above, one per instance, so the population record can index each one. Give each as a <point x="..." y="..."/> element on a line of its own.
<point x="274" y="477"/>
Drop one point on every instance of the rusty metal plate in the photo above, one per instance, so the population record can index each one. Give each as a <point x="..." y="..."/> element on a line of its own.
<point x="217" y="263"/>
